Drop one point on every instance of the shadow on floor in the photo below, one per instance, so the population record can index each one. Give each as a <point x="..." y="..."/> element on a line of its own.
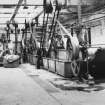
<point x="69" y="85"/>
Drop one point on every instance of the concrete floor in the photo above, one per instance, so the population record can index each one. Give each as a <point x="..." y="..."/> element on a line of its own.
<point x="16" y="88"/>
<point x="27" y="85"/>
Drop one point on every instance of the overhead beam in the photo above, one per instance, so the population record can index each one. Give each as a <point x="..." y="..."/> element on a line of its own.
<point x="10" y="5"/>
<point x="1" y="5"/>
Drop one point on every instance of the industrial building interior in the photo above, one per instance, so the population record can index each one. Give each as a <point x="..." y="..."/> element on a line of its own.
<point x="52" y="52"/>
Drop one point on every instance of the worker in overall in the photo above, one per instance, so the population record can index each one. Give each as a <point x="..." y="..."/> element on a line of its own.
<point x="39" y="58"/>
<point x="25" y="59"/>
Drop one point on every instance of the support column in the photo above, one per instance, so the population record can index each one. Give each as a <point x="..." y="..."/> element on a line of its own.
<point x="25" y="32"/>
<point x="15" y="39"/>
<point x="89" y="36"/>
<point x="79" y="12"/>
<point x="103" y="26"/>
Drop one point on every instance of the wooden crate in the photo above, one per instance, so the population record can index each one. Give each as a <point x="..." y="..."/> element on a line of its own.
<point x="45" y="63"/>
<point x="28" y="56"/>
<point x="62" y="54"/>
<point x="31" y="59"/>
<point x="63" y="68"/>
<point x="52" y="65"/>
<point x="34" y="59"/>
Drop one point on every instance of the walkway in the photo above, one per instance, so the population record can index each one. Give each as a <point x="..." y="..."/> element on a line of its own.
<point x="16" y="88"/>
<point x="27" y="85"/>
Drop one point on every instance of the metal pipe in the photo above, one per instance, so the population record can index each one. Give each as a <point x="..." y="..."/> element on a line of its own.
<point x="25" y="32"/>
<point x="42" y="31"/>
<point x="44" y="34"/>
<point x="52" y="23"/>
<point x="16" y="10"/>
<point x="55" y="23"/>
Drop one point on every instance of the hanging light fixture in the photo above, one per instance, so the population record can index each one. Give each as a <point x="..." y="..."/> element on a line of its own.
<point x="25" y="4"/>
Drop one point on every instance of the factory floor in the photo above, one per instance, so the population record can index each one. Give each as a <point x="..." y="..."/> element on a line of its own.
<point x="26" y="85"/>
